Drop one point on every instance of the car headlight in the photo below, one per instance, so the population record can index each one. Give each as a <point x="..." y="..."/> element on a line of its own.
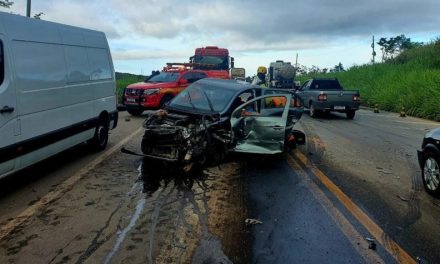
<point x="151" y="91"/>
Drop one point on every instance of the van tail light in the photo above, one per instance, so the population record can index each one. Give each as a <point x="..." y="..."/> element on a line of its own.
<point x="356" y="98"/>
<point x="322" y="97"/>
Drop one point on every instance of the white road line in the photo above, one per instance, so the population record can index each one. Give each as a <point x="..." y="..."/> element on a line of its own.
<point x="67" y="185"/>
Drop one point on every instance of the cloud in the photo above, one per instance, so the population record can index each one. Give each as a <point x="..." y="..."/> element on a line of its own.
<point x="149" y="54"/>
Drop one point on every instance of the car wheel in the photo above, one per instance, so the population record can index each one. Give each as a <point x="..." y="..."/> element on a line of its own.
<point x="431" y="173"/>
<point x="100" y="139"/>
<point x="312" y="111"/>
<point x="165" y="100"/>
<point x="135" y="112"/>
<point x="351" y="114"/>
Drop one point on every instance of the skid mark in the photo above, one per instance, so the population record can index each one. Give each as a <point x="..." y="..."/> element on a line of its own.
<point x="121" y="237"/>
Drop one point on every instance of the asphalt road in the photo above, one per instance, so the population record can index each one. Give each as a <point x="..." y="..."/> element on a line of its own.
<point x="373" y="160"/>
<point x="353" y="180"/>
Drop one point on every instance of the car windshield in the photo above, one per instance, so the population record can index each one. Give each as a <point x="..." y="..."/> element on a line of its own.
<point x="164" y="77"/>
<point x="199" y="97"/>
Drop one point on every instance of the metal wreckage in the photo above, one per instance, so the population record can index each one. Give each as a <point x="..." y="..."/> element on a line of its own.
<point x="212" y="117"/>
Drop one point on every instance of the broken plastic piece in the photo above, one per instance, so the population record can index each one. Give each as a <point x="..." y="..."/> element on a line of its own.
<point x="371" y="243"/>
<point x="250" y="221"/>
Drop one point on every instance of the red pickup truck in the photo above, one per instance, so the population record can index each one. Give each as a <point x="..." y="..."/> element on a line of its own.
<point x="154" y="92"/>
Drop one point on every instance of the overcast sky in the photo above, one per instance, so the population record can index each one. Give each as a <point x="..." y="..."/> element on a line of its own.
<point x="145" y="34"/>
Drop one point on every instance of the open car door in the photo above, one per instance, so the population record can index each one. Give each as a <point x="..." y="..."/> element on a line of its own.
<point x="259" y="125"/>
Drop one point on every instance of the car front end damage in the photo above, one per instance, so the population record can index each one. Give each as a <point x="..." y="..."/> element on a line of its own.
<point x="184" y="138"/>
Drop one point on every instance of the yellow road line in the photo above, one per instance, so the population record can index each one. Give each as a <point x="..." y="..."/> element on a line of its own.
<point x="63" y="188"/>
<point x="392" y="247"/>
<point x="353" y="236"/>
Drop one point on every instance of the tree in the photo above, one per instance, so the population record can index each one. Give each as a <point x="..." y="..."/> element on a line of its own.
<point x="338" y="68"/>
<point x="6" y="3"/>
<point x="395" y="45"/>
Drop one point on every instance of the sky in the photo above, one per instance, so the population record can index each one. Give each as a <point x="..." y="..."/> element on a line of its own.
<point x="145" y="34"/>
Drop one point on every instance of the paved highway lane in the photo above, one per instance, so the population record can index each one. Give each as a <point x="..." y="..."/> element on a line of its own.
<point x="317" y="204"/>
<point x="373" y="160"/>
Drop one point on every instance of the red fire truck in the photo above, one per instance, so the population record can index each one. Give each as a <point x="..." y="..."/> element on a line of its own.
<point x="213" y="60"/>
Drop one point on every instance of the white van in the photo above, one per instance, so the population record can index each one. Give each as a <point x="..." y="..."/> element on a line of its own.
<point x="57" y="89"/>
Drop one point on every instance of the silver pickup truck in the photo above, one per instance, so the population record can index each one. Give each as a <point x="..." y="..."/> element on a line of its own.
<point x="326" y="95"/>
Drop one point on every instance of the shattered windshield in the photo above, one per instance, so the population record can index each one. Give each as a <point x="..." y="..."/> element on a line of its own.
<point x="164" y="77"/>
<point x="199" y="97"/>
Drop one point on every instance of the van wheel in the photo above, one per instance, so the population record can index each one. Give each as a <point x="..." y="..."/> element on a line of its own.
<point x="100" y="139"/>
<point x="135" y="112"/>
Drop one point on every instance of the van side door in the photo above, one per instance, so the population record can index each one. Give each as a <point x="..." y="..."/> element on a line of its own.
<point x="8" y="112"/>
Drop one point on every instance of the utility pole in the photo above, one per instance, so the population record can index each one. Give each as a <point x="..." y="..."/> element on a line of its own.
<point x="374" y="52"/>
<point x="296" y="62"/>
<point x="28" y="9"/>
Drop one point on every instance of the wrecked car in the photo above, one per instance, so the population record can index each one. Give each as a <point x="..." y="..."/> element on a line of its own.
<point x="213" y="116"/>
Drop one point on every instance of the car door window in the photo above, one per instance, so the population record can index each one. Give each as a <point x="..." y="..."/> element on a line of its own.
<point x="188" y="76"/>
<point x="269" y="106"/>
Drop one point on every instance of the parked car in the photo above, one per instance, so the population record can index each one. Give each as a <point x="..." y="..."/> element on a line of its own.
<point x="57" y="90"/>
<point x="213" y="116"/>
<point x="157" y="90"/>
<point x="327" y="95"/>
<point x="429" y="160"/>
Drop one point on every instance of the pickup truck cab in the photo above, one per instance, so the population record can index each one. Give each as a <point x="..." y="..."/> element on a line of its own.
<point x="155" y="91"/>
<point x="327" y="95"/>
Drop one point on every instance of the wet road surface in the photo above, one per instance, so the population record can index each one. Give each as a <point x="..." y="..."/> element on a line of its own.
<point x="124" y="209"/>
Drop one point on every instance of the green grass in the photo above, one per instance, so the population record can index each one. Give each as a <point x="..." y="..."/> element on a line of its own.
<point x="124" y="79"/>
<point x="411" y="80"/>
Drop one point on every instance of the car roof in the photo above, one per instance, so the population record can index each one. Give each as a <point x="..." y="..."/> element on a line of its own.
<point x="226" y="84"/>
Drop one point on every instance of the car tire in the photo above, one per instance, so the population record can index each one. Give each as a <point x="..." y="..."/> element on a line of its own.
<point x="100" y="139"/>
<point x="135" y="112"/>
<point x="165" y="99"/>
<point x="431" y="173"/>
<point x="312" y="111"/>
<point x="351" y="114"/>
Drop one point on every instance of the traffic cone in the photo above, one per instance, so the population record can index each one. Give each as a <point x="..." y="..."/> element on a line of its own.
<point x="402" y="112"/>
<point x="376" y="108"/>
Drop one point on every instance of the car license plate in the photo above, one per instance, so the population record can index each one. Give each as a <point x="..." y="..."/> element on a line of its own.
<point x="339" y="107"/>
<point x="130" y="100"/>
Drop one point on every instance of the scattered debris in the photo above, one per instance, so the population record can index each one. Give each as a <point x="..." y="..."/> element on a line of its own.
<point x="371" y="243"/>
<point x="383" y="171"/>
<point x="250" y="221"/>
<point x="402" y="198"/>
<point x="420" y="260"/>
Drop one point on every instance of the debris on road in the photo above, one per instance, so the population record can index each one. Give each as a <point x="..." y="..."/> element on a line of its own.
<point x="250" y="221"/>
<point x="402" y="198"/>
<point x="371" y="243"/>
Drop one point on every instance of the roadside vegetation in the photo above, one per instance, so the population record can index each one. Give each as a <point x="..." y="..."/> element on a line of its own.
<point x="410" y="79"/>
<point x="124" y="79"/>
